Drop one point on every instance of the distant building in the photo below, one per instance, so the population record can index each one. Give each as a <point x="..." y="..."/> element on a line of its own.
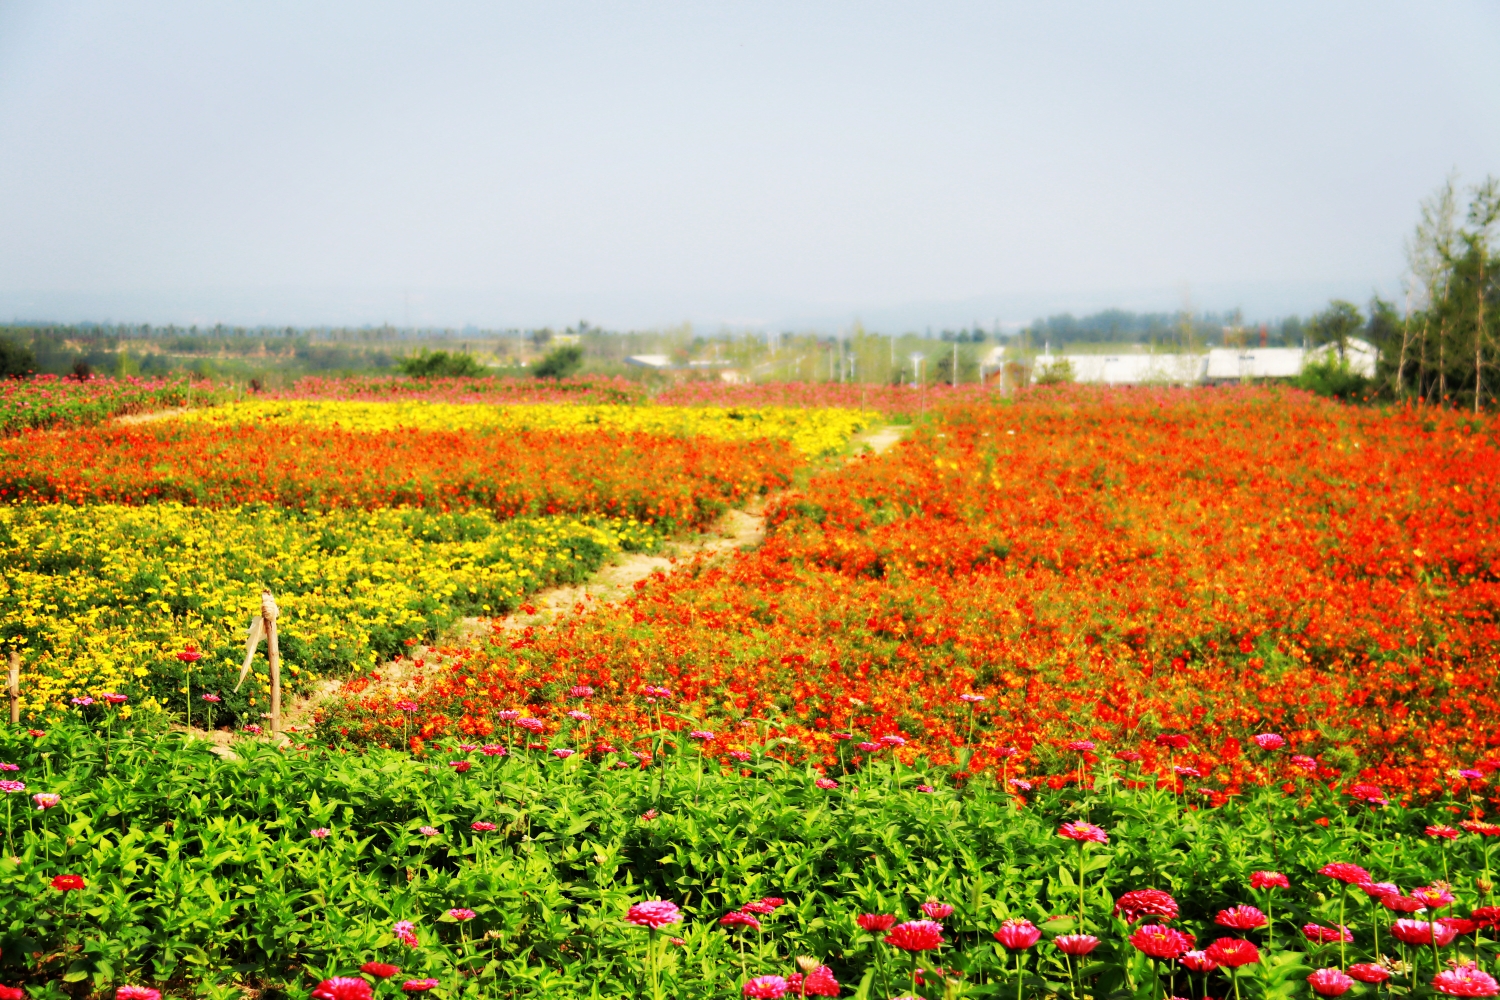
<point x="1128" y="369"/>
<point x="659" y="362"/>
<point x="1234" y="365"/>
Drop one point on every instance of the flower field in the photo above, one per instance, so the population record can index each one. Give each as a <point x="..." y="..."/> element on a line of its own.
<point x="1137" y="694"/>
<point x="49" y="401"/>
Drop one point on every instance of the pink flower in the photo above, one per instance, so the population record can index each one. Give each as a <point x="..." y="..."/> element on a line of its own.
<point x="114" y="698"/>
<point x="1329" y="983"/>
<point x="1269" y="880"/>
<point x="1345" y="872"/>
<point x="406" y="932"/>
<point x="760" y="906"/>
<point x="481" y="826"/>
<point x="428" y="831"/>
<point x="322" y="833"/>
<point x="739" y="918"/>
<point x="1465" y="980"/>
<point x="1367" y="972"/>
<point x="817" y="983"/>
<point x="826" y="783"/>
<point x="580" y="691"/>
<point x="1326" y="935"/>
<point x="915" y="935"/>
<point x="654" y="913"/>
<point x="212" y="699"/>
<point x="870" y="923"/>
<point x="1433" y="896"/>
<point x="1446" y="832"/>
<point x="772" y="987"/>
<point x="1268" y="741"/>
<point x="130" y="993"/>
<point x="467" y="748"/>
<point x="419" y="985"/>
<point x="531" y="725"/>
<point x="1161" y="942"/>
<point x="1007" y="752"/>
<point x="46" y="800"/>
<point x="493" y="750"/>
<point x="508" y="716"/>
<point x="925" y="788"/>
<point x="936" y="910"/>
<point x="892" y="740"/>
<point x="342" y="988"/>
<point x="562" y="753"/>
<point x="1075" y="944"/>
<point x="972" y="699"/>
<point x="1380" y="890"/>
<point x="1018" y="935"/>
<point x="460" y="766"/>
<point x="1019" y="784"/>
<point x="406" y="706"/>
<point x="1233" y="952"/>
<point x="9" y="767"/>
<point x="868" y="747"/>
<point x="462" y="913"/>
<point x="1412" y="931"/>
<point x="1241" y="918"/>
<point x="1146" y="903"/>
<point x="702" y="735"/>
<point x="1082" y="832"/>
<point x="578" y="716"/>
<point x="1198" y="961"/>
<point x="12" y="786"/>
<point x="1081" y="746"/>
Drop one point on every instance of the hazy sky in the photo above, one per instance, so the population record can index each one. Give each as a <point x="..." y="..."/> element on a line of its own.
<point x="752" y="163"/>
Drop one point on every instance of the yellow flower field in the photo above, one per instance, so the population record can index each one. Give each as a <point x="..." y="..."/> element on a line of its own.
<point x="102" y="597"/>
<point x="810" y="431"/>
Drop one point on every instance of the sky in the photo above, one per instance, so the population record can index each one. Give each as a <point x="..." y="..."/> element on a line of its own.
<point x="757" y="165"/>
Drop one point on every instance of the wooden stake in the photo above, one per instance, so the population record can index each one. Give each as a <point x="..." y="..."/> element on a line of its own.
<point x="15" y="687"/>
<point x="268" y="612"/>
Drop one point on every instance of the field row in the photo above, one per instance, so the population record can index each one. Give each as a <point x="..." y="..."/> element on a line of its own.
<point x="102" y="598"/>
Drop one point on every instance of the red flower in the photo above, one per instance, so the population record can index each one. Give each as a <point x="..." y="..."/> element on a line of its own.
<point x="765" y="988"/>
<point x="760" y="906"/>
<point x="1175" y="742"/>
<point x="1241" y="918"/>
<point x="1161" y="942"/>
<point x="1269" y="880"/>
<point x="379" y="970"/>
<point x="419" y="985"/>
<point x="1326" y="935"/>
<point x="817" y="983"/>
<point x="936" y="910"/>
<point x="343" y="988"/>
<point x="915" y="935"/>
<point x="1346" y="873"/>
<point x="1198" y="961"/>
<point x="1368" y="972"/>
<point x="65" y="883"/>
<point x="121" y="993"/>
<point x="1233" y="952"/>
<point x="873" y="922"/>
<point x="739" y="918"/>
<point x="1486" y="916"/>
<point x="1146" y="903"/>
<point x="1465" y="981"/>
<point x="1446" y="832"/>
<point x="190" y="654"/>
<point x="12" y="993"/>
<point x="1402" y="904"/>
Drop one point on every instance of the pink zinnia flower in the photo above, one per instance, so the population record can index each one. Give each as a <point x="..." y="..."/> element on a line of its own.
<point x="702" y="735"/>
<point x="12" y="786"/>
<point x="481" y="826"/>
<point x="1380" y="890"/>
<point x="125" y="993"/>
<point x="868" y="747"/>
<point x="1233" y="952"/>
<point x="1434" y="897"/>
<point x="508" y="716"/>
<point x="892" y="740"/>
<point x="493" y="750"/>
<point x="972" y="699"/>
<point x="936" y="910"/>
<point x="406" y="706"/>
<point x="1083" y="832"/>
<point x="915" y="935"/>
<point x="1412" y="931"/>
<point x="531" y="725"/>
<point x="1241" y="918"/>
<point x="461" y="913"/>
<point x="428" y="831"/>
<point x="826" y="783"/>
<point x="580" y="691"/>
<point x="1329" y="983"/>
<point x="1269" y="741"/>
<point x="1018" y="935"/>
<point x="1446" y="832"/>
<point x="654" y="913"/>
<point x="46" y="800"/>
<point x="419" y="985"/>
<point x="578" y="716"/>
<point x="322" y="833"/>
<point x="1345" y="872"/>
<point x="406" y="932"/>
<point x="1081" y="746"/>
<point x="771" y="987"/>
<point x="1198" y="961"/>
<point x="873" y="922"/>
<point x="817" y="983"/>
<point x="1398" y="903"/>
<point x="1075" y="944"/>
<point x="379" y="970"/>
<point x="1465" y="980"/>
<point x="460" y="766"/>
<point x="343" y="988"/>
<point x="562" y="753"/>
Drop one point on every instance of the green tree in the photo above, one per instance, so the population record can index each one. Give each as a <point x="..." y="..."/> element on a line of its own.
<point x="16" y="359"/>
<point x="560" y="362"/>
<point x="440" y="364"/>
<point x="1335" y="325"/>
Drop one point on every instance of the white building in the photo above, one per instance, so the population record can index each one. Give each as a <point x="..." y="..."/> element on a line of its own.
<point x="1234" y="365"/>
<point x="1127" y="369"/>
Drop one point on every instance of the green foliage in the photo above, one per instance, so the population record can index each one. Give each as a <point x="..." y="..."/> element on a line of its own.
<point x="202" y="871"/>
<point x="16" y="359"/>
<point x="441" y="364"/>
<point x="560" y="362"/>
<point x="1333" y="377"/>
<point x="1056" y="373"/>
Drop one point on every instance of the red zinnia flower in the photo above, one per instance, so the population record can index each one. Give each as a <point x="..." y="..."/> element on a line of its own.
<point x="765" y="987"/>
<point x="1082" y="832"/>
<point x="1326" y="935"/>
<point x="1241" y="918"/>
<point x="419" y="985"/>
<point x="1368" y="972"/>
<point x="379" y="970"/>
<point x="936" y="910"/>
<point x="1198" y="961"/>
<point x="1402" y="904"/>
<point x="1161" y="942"/>
<point x="65" y="883"/>
<point x="1233" y="952"/>
<point x="12" y="993"/>
<point x="915" y="935"/>
<point x="1346" y="873"/>
<point x="1446" y="832"/>
<point x="343" y="988"/>
<point x="1075" y="944"/>
<point x="739" y="918"/>
<point x="1146" y="903"/>
<point x="1269" y="880"/>
<point x="122" y="993"/>
<point x="817" y="983"/>
<point x="654" y="913"/>
<point x="1465" y="981"/>
<point x="872" y="922"/>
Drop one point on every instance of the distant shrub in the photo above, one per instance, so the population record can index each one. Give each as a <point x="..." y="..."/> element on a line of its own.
<point x="16" y="360"/>
<point x="1056" y="373"/>
<point x="560" y="362"/>
<point x="441" y="364"/>
<point x="1334" y="378"/>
